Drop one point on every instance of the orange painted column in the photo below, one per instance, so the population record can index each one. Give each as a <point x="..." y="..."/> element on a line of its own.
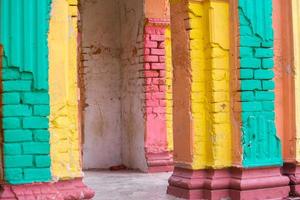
<point x="284" y="78"/>
<point x="286" y="28"/>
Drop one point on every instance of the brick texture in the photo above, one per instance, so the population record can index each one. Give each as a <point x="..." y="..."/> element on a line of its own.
<point x="261" y="146"/>
<point x="158" y="95"/>
<point x="24" y="88"/>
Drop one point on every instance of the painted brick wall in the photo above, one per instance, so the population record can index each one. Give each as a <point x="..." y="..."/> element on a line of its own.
<point x="157" y="73"/>
<point x="155" y="88"/>
<point x="65" y="138"/>
<point x="169" y="88"/>
<point x="25" y="95"/>
<point x="261" y="146"/>
<point x="209" y="52"/>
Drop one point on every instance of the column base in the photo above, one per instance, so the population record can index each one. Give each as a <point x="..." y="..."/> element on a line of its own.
<point x="235" y="183"/>
<point x="159" y="162"/>
<point x="62" y="190"/>
<point x="199" y="184"/>
<point x="292" y="170"/>
<point x="265" y="183"/>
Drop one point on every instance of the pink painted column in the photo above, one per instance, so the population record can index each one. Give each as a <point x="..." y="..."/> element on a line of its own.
<point x="158" y="157"/>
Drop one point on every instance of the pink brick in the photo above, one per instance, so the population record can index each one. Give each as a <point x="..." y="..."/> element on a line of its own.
<point x="150" y="44"/>
<point x="147" y="37"/>
<point x="158" y="95"/>
<point x="147" y="66"/>
<point x="158" y="81"/>
<point x="157" y="65"/>
<point x="162" y="73"/>
<point x="163" y="103"/>
<point x="160" y="52"/>
<point x="146" y="51"/>
<point x="150" y="30"/>
<point x="149" y="81"/>
<point x="162" y="88"/>
<point x="159" y="38"/>
<point x="151" y="73"/>
<point x="149" y="58"/>
<point x="149" y="109"/>
<point x="162" y="58"/>
<point x="152" y="103"/>
<point x="148" y="95"/>
<point x="159" y="110"/>
<point x="161" y="45"/>
<point x="151" y="88"/>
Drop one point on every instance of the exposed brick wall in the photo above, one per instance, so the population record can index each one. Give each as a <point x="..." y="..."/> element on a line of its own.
<point x="210" y="85"/>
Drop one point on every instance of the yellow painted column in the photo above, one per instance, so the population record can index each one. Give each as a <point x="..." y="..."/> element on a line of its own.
<point x="296" y="33"/>
<point x="169" y="98"/>
<point x="210" y="91"/>
<point x="64" y="130"/>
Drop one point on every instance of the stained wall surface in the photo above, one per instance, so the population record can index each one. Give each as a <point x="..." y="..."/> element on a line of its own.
<point x="133" y="119"/>
<point x="101" y="41"/>
<point x="63" y="87"/>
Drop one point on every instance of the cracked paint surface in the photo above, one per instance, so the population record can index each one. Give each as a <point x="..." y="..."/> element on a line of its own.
<point x="64" y="128"/>
<point x="261" y="146"/>
<point x="210" y="102"/>
<point x="25" y="98"/>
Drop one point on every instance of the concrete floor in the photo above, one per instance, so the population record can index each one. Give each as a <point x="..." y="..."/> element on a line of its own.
<point x="128" y="185"/>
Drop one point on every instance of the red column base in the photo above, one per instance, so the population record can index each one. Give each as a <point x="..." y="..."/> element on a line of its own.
<point x="160" y="162"/>
<point x="292" y="170"/>
<point x="63" y="190"/>
<point x="235" y="183"/>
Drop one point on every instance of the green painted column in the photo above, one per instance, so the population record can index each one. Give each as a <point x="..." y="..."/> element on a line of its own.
<point x="24" y="28"/>
<point x="261" y="146"/>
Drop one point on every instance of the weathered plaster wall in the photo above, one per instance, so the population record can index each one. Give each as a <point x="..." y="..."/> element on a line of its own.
<point x="133" y="121"/>
<point x="261" y="146"/>
<point x="25" y="98"/>
<point x="101" y="41"/>
<point x="65" y="138"/>
<point x="158" y="9"/>
<point x="296" y="32"/>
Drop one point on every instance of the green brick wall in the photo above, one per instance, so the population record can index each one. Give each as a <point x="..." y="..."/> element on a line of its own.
<point x="261" y="146"/>
<point x="25" y="98"/>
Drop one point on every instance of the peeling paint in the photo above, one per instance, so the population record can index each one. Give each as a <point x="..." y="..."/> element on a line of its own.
<point x="261" y="146"/>
<point x="64" y="127"/>
<point x="209" y="44"/>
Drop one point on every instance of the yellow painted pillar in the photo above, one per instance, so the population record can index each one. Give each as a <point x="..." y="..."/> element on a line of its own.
<point x="64" y="130"/>
<point x="169" y="98"/>
<point x="201" y="94"/>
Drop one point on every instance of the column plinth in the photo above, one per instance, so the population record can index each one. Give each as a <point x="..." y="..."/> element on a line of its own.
<point x="234" y="183"/>
<point x="62" y="190"/>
